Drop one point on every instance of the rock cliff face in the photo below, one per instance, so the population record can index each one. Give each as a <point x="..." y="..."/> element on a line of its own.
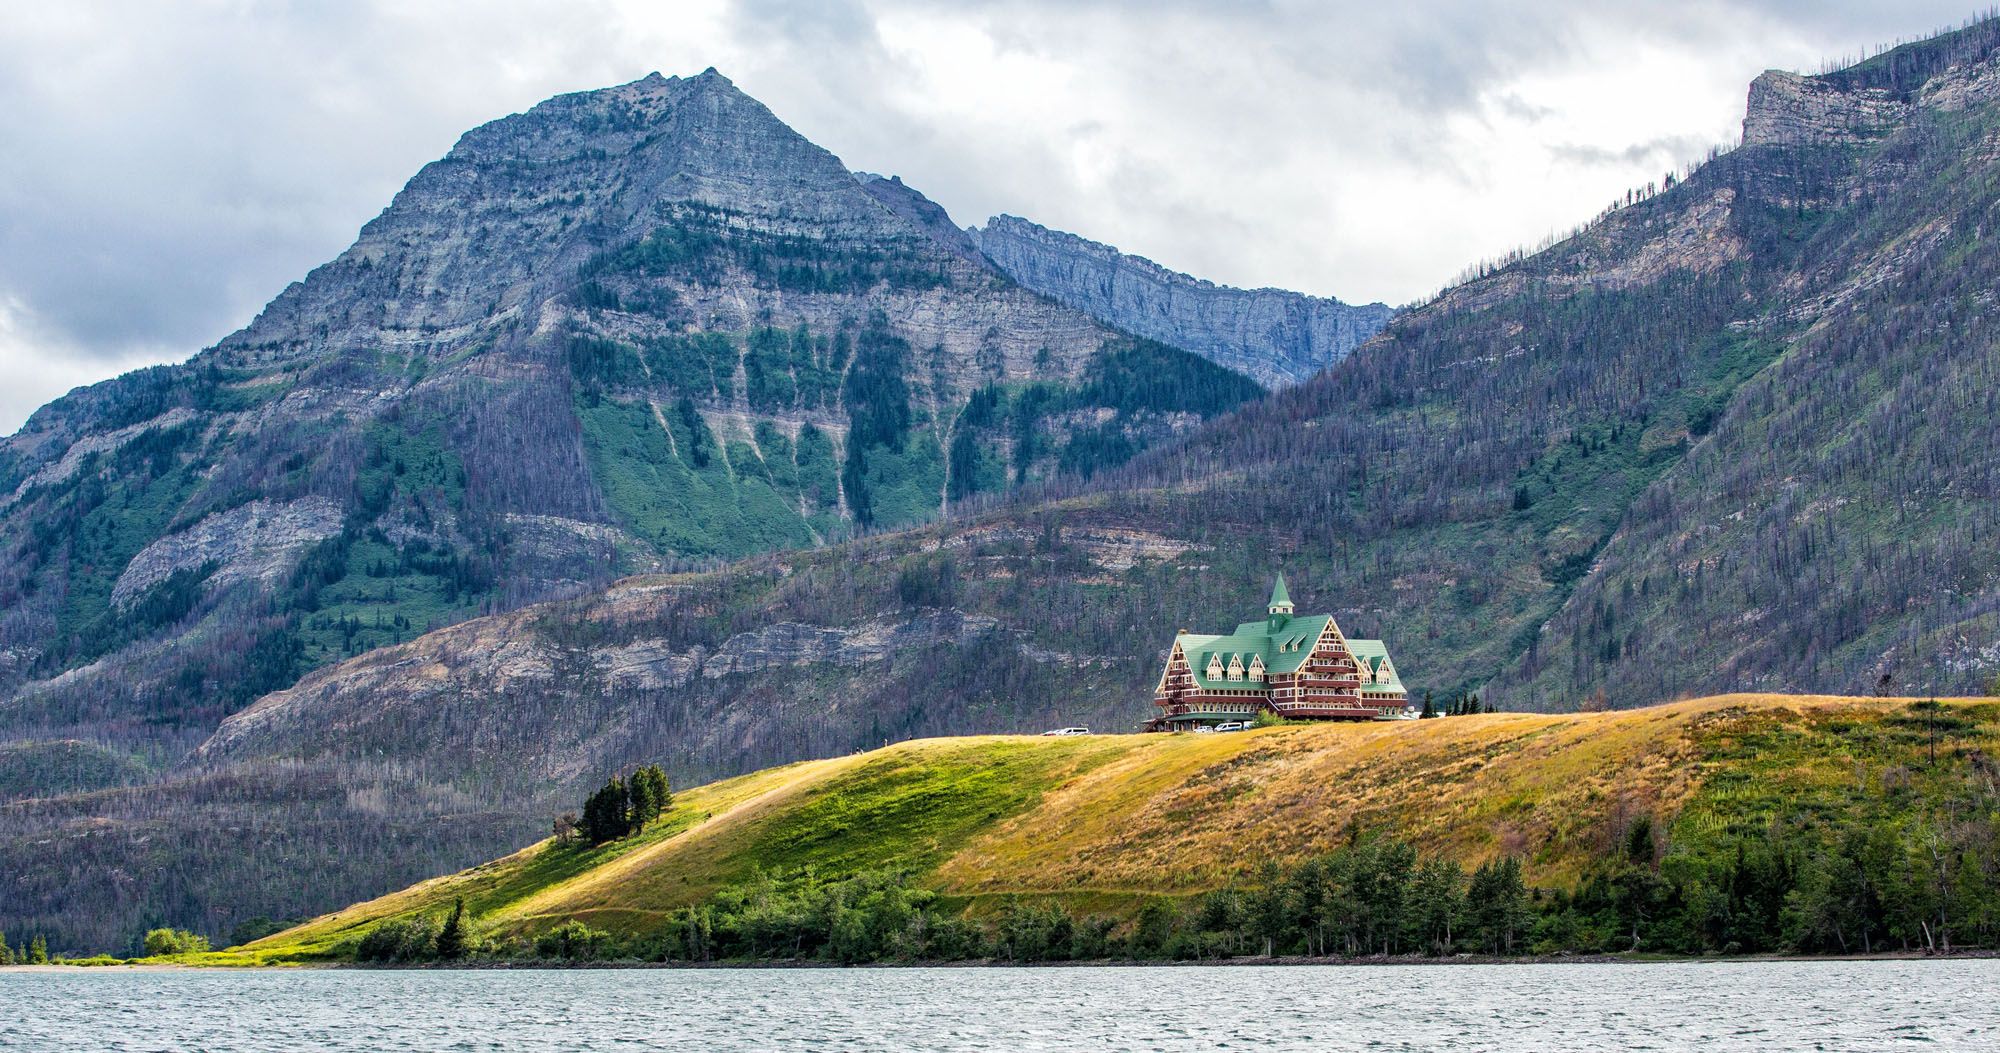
<point x="1277" y="338"/>
<point x="1787" y="109"/>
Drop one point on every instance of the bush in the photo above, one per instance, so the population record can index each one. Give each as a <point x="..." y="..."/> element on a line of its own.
<point x="174" y="941"/>
<point x="572" y="941"/>
<point x="400" y="940"/>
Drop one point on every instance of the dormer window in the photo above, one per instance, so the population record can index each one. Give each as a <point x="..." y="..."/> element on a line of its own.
<point x="1236" y="667"/>
<point x="1256" y="671"/>
<point x="1215" y="667"/>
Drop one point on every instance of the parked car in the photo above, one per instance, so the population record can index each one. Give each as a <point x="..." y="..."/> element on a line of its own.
<point x="1232" y="725"/>
<point x="1068" y="731"/>
<point x="1201" y="729"/>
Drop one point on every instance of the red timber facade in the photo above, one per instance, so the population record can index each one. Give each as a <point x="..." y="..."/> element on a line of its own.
<point x="1295" y="667"/>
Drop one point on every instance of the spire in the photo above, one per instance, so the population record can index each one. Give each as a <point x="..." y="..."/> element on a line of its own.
<point x="1281" y="601"/>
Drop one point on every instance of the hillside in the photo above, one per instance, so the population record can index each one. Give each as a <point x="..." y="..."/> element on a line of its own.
<point x="1276" y="337"/>
<point x="1107" y="824"/>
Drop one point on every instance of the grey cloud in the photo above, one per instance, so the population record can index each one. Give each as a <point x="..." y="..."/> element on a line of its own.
<point x="1668" y="151"/>
<point x="171" y="167"/>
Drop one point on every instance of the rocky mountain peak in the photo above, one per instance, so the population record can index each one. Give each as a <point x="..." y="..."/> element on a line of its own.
<point x="519" y="203"/>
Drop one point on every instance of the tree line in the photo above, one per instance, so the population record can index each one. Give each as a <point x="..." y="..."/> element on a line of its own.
<point x="1850" y="888"/>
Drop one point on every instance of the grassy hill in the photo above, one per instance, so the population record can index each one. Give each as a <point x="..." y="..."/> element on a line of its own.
<point x="1106" y="825"/>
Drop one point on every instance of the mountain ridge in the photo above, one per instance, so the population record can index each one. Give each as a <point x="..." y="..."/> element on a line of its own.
<point x="1276" y="336"/>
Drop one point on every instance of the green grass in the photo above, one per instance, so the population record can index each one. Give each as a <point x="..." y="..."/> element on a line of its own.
<point x="1808" y="769"/>
<point x="728" y="500"/>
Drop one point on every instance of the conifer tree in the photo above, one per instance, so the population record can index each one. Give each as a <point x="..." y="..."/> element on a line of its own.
<point x="451" y="938"/>
<point x="650" y="795"/>
<point x="607" y="814"/>
<point x="38" y="952"/>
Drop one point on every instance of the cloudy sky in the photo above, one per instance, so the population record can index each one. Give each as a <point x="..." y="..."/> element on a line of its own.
<point x="167" y="168"/>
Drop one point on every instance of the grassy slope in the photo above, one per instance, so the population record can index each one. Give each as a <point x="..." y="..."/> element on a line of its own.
<point x="1103" y="823"/>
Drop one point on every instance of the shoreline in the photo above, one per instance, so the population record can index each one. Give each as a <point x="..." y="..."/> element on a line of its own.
<point x="1632" y="959"/>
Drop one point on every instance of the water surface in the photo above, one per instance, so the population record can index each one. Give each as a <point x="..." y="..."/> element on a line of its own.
<point x="1710" y="1007"/>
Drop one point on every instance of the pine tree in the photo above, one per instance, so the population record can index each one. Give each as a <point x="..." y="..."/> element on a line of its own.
<point x="451" y="938"/>
<point x="607" y="814"/>
<point x="618" y="807"/>
<point x="649" y="794"/>
<point x="1430" y="708"/>
<point x="38" y="952"/>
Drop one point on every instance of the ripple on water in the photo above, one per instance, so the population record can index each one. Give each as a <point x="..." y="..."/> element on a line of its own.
<point x="1713" y="1007"/>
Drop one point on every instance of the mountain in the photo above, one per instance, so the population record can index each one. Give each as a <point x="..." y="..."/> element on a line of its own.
<point x="1276" y="337"/>
<point x="1737" y="432"/>
<point x="630" y="329"/>
<point x="1115" y="827"/>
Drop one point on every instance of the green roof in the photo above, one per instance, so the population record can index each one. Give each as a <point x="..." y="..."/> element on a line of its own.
<point x="1283" y="650"/>
<point x="1375" y="654"/>
<point x="1279" y="597"/>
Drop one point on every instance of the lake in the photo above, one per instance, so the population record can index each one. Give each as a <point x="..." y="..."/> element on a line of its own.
<point x="1710" y="1007"/>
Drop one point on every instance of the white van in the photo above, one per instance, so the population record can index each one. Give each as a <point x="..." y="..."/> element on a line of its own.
<point x="1232" y="725"/>
<point x="1068" y="731"/>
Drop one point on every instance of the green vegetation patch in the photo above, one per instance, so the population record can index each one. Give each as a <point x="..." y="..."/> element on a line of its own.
<point x="672" y="483"/>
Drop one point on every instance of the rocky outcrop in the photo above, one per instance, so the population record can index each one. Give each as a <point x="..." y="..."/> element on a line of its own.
<point x="259" y="541"/>
<point x="1787" y="109"/>
<point x="62" y="468"/>
<point x="1869" y="102"/>
<point x="1275" y="337"/>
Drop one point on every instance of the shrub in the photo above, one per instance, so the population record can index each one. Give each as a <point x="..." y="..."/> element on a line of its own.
<point x="400" y="940"/>
<point x="571" y="941"/>
<point x="175" y="941"/>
